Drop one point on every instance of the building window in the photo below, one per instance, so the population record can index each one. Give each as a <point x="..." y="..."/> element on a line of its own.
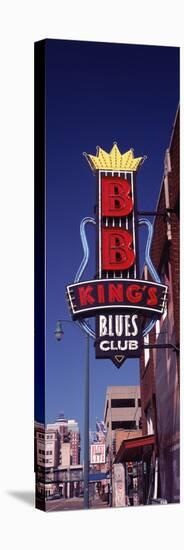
<point x="139" y="402"/>
<point x="157" y="328"/>
<point x="165" y="313"/>
<point x="149" y="420"/>
<point x="124" y="425"/>
<point x="107" y="406"/>
<point x="140" y="423"/>
<point x="146" y="351"/>
<point x="120" y="403"/>
<point x="165" y="276"/>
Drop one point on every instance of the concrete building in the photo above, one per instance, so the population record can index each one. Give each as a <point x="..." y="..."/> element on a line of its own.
<point x="47" y="443"/>
<point x="122" y="418"/>
<point x="123" y="435"/>
<point x="122" y="413"/>
<point x="159" y="368"/>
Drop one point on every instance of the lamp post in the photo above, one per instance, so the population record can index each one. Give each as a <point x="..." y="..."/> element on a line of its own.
<point x="59" y="333"/>
<point x="110" y="449"/>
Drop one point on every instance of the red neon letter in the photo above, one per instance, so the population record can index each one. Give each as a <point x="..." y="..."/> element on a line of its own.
<point x="134" y="294"/>
<point x="85" y="295"/>
<point x="115" y="292"/>
<point x="101" y="294"/>
<point x="117" y="253"/>
<point x="116" y="199"/>
<point x="152" y="293"/>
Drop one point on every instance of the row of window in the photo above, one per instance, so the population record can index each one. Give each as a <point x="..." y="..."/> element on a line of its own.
<point x="46" y="460"/>
<point x="42" y="436"/>
<point x="124" y="424"/>
<point x="41" y="452"/>
<point x="122" y="403"/>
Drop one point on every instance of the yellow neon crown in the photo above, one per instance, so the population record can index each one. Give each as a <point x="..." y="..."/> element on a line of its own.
<point x="114" y="160"/>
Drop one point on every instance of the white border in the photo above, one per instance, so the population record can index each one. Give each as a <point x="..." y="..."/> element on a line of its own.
<point x="21" y="24"/>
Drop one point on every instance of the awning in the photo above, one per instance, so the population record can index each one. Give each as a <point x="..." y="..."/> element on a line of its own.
<point x="135" y="449"/>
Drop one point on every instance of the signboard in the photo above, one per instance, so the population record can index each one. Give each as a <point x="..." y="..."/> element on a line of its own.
<point x="119" y="299"/>
<point x="98" y="476"/>
<point x="97" y="454"/>
<point x="90" y="297"/>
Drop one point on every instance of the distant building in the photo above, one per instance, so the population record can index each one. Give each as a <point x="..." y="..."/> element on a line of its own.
<point x="97" y="446"/>
<point x="74" y="433"/>
<point x="66" y="454"/>
<point x="98" y="462"/>
<point x="57" y="454"/>
<point x="122" y="415"/>
<point x="68" y="433"/>
<point x="47" y="444"/>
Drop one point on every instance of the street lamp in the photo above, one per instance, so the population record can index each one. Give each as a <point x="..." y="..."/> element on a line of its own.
<point x="59" y="333"/>
<point x="110" y="447"/>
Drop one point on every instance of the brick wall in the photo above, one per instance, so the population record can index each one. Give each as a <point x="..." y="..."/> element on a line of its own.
<point x="174" y="203"/>
<point x="161" y="250"/>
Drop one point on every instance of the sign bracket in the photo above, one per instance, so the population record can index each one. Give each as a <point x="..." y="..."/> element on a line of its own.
<point x="162" y="346"/>
<point x="165" y="213"/>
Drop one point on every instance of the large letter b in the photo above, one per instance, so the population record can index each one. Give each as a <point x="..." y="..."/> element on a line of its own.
<point x="117" y="252"/>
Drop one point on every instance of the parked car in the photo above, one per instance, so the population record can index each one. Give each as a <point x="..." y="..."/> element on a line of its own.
<point x="54" y="496"/>
<point x="158" y="501"/>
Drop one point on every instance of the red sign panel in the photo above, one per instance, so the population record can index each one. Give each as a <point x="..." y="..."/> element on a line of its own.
<point x="116" y="197"/>
<point x="117" y="251"/>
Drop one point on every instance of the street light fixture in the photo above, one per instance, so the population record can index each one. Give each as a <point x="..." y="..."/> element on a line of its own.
<point x="59" y="334"/>
<point x="59" y="331"/>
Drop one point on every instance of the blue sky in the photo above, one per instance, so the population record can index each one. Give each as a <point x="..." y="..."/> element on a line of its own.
<point x="96" y="94"/>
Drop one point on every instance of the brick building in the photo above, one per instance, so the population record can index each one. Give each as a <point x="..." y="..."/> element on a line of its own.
<point x="159" y="367"/>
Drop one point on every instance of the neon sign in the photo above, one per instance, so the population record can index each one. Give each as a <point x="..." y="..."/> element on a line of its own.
<point x="119" y="299"/>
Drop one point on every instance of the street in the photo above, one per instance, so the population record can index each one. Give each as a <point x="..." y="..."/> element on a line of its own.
<point x="73" y="504"/>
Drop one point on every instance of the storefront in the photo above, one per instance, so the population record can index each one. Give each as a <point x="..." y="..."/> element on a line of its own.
<point x="140" y="474"/>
